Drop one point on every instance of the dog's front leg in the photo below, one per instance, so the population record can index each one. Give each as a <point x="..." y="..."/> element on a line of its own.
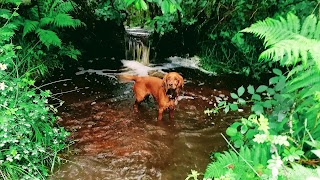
<point x="160" y="112"/>
<point x="171" y="113"/>
<point x="171" y="109"/>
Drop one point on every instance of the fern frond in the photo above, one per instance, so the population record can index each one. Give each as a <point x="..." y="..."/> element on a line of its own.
<point x="309" y="26"/>
<point x="5" y="13"/>
<point x="256" y="156"/>
<point x="274" y="31"/>
<point x="29" y="26"/>
<point x="66" y="7"/>
<point x="70" y="51"/>
<point x="48" y="37"/>
<point x="288" y="40"/>
<point x="298" y="172"/>
<point x="65" y="20"/>
<point x="305" y="80"/>
<point x="46" y="21"/>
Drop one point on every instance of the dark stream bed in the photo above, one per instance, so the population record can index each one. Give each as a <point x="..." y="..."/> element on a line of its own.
<point x="113" y="142"/>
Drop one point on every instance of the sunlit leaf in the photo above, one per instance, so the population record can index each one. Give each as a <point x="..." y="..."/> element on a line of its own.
<point x="250" y="89"/>
<point x="226" y="109"/>
<point x="244" y="129"/>
<point x="267" y="104"/>
<point x="231" y="131"/>
<point x="277" y="71"/>
<point x="144" y="5"/>
<point x="233" y="107"/>
<point x="274" y="80"/>
<point x="238" y="143"/>
<point x="241" y="101"/>
<point x="241" y="91"/>
<point x="316" y="152"/>
<point x="257" y="108"/>
<point x="234" y="96"/>
<point x="129" y="2"/>
<point x="262" y="88"/>
<point x="165" y="7"/>
<point x="256" y="97"/>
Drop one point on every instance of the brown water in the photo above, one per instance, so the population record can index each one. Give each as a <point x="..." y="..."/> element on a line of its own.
<point x="112" y="142"/>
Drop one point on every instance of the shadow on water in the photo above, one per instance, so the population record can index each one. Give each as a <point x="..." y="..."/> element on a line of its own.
<point x="112" y="142"/>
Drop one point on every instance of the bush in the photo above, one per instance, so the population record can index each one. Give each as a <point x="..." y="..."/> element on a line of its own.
<point x="286" y="113"/>
<point x="30" y="139"/>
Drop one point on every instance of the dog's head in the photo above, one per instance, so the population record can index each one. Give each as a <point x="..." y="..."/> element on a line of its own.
<point x="173" y="83"/>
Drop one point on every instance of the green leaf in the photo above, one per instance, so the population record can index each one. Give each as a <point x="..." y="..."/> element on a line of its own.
<point x="231" y="131"/>
<point x="236" y="125"/>
<point x="226" y="109"/>
<point x="234" y="96"/>
<point x="316" y="152"/>
<point x="281" y="84"/>
<point x="129" y="2"/>
<point x="250" y="134"/>
<point x="250" y="89"/>
<point x="165" y="7"/>
<point x="233" y="107"/>
<point x="240" y="91"/>
<point x="256" y="97"/>
<point x="244" y="129"/>
<point x="267" y="104"/>
<point x="274" y="80"/>
<point x="257" y="108"/>
<point x="241" y="101"/>
<point x="277" y="71"/>
<point x="271" y="91"/>
<point x="238" y="143"/>
<point x="144" y="5"/>
<point x="262" y="88"/>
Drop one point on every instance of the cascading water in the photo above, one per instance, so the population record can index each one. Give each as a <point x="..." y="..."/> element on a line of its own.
<point x="138" y="45"/>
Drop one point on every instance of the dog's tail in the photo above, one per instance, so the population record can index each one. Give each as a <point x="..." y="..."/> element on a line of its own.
<point x="127" y="78"/>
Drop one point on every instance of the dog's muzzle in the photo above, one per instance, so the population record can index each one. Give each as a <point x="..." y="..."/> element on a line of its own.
<point x="171" y="93"/>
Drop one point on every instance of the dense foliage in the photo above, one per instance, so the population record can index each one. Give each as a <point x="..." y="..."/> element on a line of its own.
<point x="30" y="44"/>
<point x="286" y="112"/>
<point x="208" y="28"/>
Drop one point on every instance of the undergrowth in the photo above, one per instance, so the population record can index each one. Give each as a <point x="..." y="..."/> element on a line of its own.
<point x="281" y="138"/>
<point x="30" y="44"/>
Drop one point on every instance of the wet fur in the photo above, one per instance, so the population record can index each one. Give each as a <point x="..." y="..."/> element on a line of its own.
<point x="165" y="91"/>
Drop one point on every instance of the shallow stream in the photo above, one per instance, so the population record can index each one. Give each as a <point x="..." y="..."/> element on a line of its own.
<point x="112" y="142"/>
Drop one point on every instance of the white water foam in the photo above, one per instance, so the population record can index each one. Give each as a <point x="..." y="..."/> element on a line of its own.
<point x="103" y="72"/>
<point x="137" y="68"/>
<point x="134" y="67"/>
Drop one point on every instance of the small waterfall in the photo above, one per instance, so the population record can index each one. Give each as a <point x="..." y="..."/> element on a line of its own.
<point x="138" y="45"/>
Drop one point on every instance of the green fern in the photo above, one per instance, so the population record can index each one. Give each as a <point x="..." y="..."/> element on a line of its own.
<point x="29" y="26"/>
<point x="298" y="172"/>
<point x="66" y="7"/>
<point x="48" y="37"/>
<point x="296" y="45"/>
<point x="65" y="20"/>
<point x="53" y="15"/>
<point x="287" y="40"/>
<point x="229" y="161"/>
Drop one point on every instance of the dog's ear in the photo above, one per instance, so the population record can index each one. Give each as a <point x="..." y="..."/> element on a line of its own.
<point x="181" y="81"/>
<point x="164" y="82"/>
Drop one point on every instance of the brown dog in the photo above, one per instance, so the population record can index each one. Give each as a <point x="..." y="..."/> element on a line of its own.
<point x="165" y="91"/>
